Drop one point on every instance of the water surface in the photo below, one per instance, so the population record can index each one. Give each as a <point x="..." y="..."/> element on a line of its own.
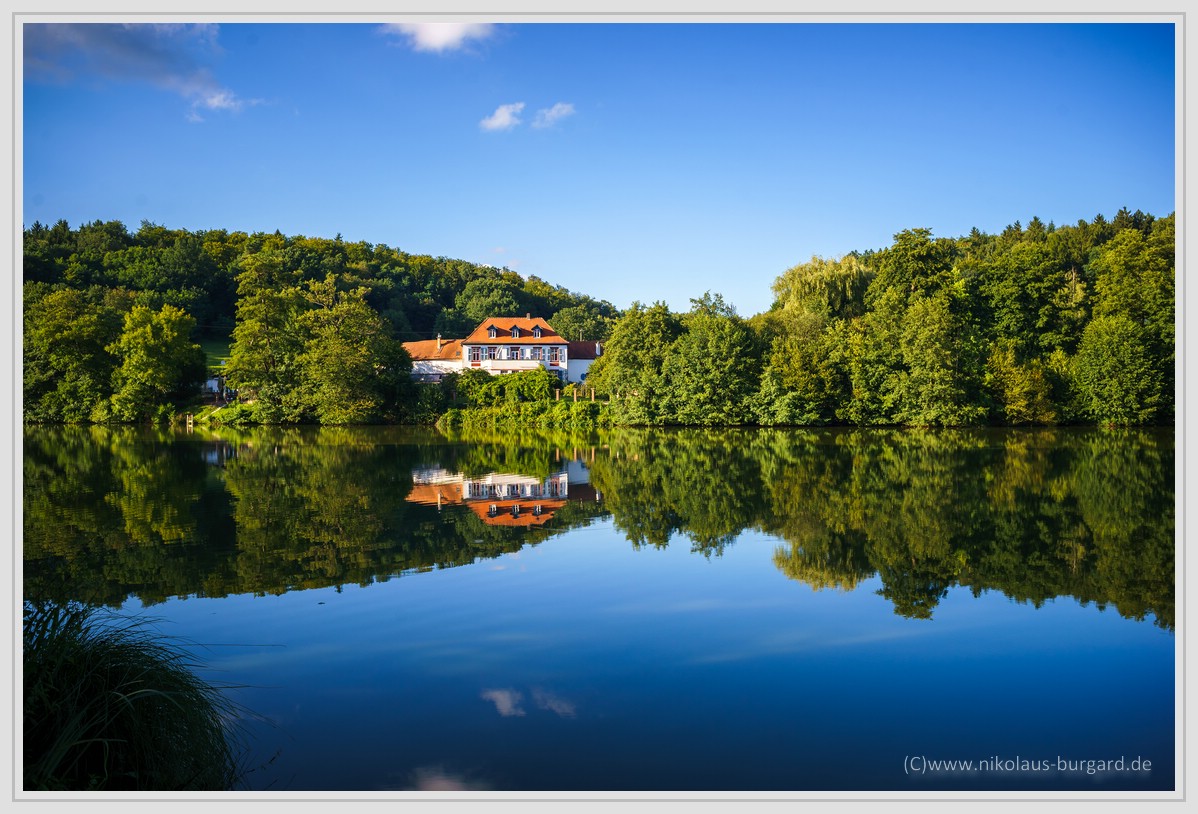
<point x="645" y="610"/>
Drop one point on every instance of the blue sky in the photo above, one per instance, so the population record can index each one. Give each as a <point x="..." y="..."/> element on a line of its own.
<point x="628" y="161"/>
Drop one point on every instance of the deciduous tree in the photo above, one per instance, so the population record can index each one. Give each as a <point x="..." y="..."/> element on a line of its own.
<point x="159" y="364"/>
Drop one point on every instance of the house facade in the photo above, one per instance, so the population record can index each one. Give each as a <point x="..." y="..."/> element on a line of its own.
<point x="504" y="345"/>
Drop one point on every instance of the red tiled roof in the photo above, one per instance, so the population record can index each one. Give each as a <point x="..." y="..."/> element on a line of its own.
<point x="583" y="350"/>
<point x="503" y="332"/>
<point x="504" y="517"/>
<point x="448" y="494"/>
<point x="426" y="349"/>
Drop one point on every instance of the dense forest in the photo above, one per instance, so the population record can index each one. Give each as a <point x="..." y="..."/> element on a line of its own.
<point x="316" y="325"/>
<point x="1040" y="324"/>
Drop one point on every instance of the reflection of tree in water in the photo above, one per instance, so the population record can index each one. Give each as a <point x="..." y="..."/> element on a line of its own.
<point x="1035" y="514"/>
<point x="1007" y="511"/>
<point x="331" y="508"/>
<point x="703" y="484"/>
<point x="105" y="509"/>
<point x="311" y="511"/>
<point x="825" y="560"/>
<point x="109" y="514"/>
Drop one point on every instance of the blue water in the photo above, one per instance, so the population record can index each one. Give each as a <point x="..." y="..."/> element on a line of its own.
<point x="585" y="664"/>
<point x="401" y="609"/>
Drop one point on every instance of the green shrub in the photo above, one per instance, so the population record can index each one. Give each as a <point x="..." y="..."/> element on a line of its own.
<point x="234" y="415"/>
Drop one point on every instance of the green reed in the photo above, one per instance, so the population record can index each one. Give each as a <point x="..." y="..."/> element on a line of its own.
<point x="110" y="706"/>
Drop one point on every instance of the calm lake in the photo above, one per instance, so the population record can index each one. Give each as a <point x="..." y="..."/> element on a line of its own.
<point x="752" y="610"/>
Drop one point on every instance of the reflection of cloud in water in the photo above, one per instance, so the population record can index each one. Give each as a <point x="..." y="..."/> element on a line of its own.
<point x="435" y="778"/>
<point x="553" y="703"/>
<point x="507" y="702"/>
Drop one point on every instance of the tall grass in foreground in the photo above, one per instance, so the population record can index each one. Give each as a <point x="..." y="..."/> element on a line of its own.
<point x="110" y="707"/>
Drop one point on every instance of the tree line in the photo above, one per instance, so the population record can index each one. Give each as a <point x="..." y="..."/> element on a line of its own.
<point x="315" y="324"/>
<point x="1037" y="325"/>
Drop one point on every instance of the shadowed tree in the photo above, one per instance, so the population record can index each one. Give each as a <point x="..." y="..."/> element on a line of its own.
<point x="351" y="369"/>
<point x="159" y="364"/>
<point x="67" y="368"/>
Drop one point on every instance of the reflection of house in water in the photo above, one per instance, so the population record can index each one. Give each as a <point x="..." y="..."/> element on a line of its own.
<point x="504" y="499"/>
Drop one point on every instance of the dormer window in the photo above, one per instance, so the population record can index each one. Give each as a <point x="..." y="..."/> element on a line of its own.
<point x="536" y="331"/>
<point x="515" y="332"/>
<point x="491" y="332"/>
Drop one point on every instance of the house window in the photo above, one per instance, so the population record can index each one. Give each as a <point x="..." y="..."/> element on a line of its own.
<point x="491" y="331"/>
<point x="476" y="354"/>
<point x="513" y="352"/>
<point x="536" y="332"/>
<point x="492" y="352"/>
<point x="554" y="355"/>
<point x="536" y="353"/>
<point x="515" y="332"/>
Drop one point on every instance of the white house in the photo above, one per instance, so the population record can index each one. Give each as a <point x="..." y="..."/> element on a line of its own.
<point x="433" y="358"/>
<point x="582" y="356"/>
<point x="504" y="345"/>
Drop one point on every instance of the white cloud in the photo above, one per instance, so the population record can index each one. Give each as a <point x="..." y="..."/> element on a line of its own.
<point x="219" y="100"/>
<point x="505" y="117"/>
<point x="166" y="56"/>
<point x="440" y="37"/>
<point x="547" y="117"/>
